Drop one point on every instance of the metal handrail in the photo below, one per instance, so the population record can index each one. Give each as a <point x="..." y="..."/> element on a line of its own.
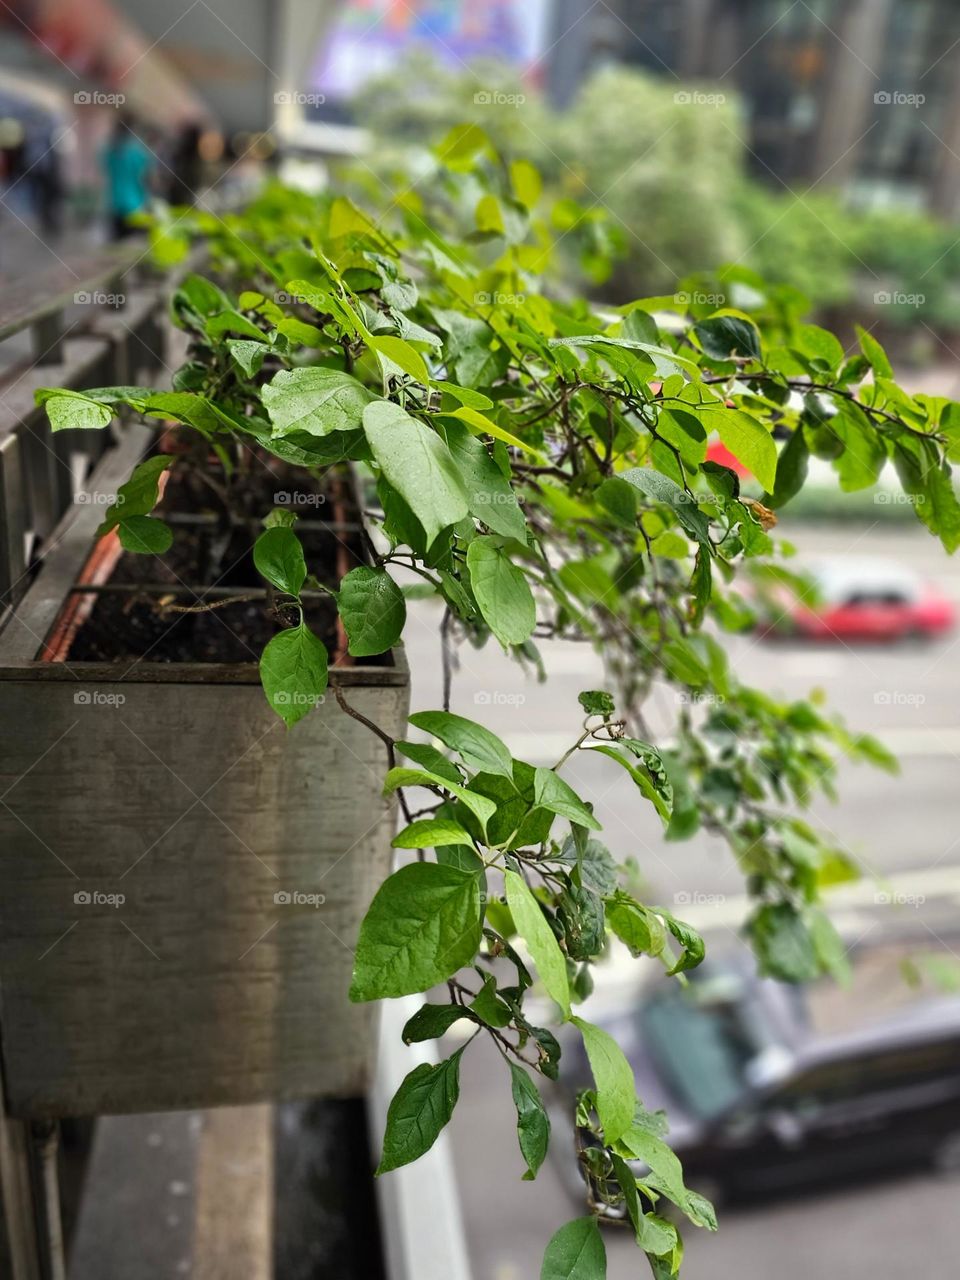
<point x="55" y="289"/>
<point x="41" y="473"/>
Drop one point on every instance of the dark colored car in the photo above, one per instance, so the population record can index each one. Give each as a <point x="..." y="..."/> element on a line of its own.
<point x="758" y="1102"/>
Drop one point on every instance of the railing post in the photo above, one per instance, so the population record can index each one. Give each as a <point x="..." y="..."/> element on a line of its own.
<point x="48" y="338"/>
<point x="20" y="1226"/>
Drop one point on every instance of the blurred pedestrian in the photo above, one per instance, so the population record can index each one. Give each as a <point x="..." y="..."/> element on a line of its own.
<point x="127" y="167"/>
<point x="186" y="167"/>
<point x="45" y="175"/>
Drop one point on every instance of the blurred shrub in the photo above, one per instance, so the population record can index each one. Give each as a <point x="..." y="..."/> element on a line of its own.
<point x="651" y="185"/>
<point x="660" y="166"/>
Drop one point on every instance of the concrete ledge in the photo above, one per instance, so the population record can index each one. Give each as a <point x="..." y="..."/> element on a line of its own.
<point x="419" y="1204"/>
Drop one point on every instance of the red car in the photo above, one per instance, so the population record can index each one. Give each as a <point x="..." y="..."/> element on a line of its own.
<point x="866" y="600"/>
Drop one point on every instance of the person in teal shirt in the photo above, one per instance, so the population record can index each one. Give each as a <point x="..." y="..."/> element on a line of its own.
<point x="127" y="168"/>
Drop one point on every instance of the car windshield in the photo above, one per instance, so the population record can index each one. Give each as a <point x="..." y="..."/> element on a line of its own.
<point x="703" y="1039"/>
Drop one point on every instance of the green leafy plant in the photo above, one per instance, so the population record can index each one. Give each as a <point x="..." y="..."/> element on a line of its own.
<point x="540" y="467"/>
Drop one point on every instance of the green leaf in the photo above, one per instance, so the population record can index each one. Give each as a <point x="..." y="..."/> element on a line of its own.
<point x="431" y="759"/>
<point x="403" y="355"/>
<point x="594" y="861"/>
<point x="488" y="1006"/>
<point x="482" y="808"/>
<point x="654" y="1235"/>
<point x="314" y="400"/>
<point x="431" y="833"/>
<point x="421" y="1107"/>
<point x="551" y="792"/>
<point x="480" y="422"/>
<point x="619" y="499"/>
<point x="145" y="535"/>
<point x="576" y="1252"/>
<point x="829" y="946"/>
<point x="464" y="395"/>
<point x="532" y="926"/>
<point x="373" y="611"/>
<point x="293" y="672"/>
<point x="478" y="748"/>
<point x="492" y="499"/>
<point x="432" y="1021"/>
<point x="693" y="945"/>
<point x="819" y="343"/>
<point x="423" y="925"/>
<point x="750" y="443"/>
<point x="502" y="592"/>
<point x="184" y="406"/>
<point x="139" y="495"/>
<point x="596" y="702"/>
<point x="247" y="355"/>
<point x="660" y="488"/>
<point x="924" y="477"/>
<point x="791" y="470"/>
<point x="278" y="557"/>
<point x="723" y="337"/>
<point x="458" y="148"/>
<point x="71" y="411"/>
<point x="871" y="348"/>
<point x="864" y="454"/>
<point x="526" y="182"/>
<point x="642" y="1142"/>
<point x="635" y="925"/>
<point x="533" y="1123"/>
<point x="701" y="586"/>
<point x="418" y="465"/>
<point x="613" y="1076"/>
<point x="683" y="663"/>
<point x="782" y="943"/>
<point x="462" y="856"/>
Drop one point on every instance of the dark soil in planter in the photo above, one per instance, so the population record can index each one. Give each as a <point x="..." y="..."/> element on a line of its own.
<point x="212" y="549"/>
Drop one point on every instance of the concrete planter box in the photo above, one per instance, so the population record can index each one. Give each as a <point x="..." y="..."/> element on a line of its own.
<point x="183" y="878"/>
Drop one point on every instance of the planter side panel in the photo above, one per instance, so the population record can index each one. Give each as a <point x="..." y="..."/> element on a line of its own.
<point x="183" y="885"/>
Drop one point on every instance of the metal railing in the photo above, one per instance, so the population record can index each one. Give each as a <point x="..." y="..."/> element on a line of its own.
<point x="95" y="320"/>
<point x="75" y="341"/>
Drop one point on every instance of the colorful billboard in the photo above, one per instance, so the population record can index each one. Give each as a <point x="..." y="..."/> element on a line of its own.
<point x="368" y="37"/>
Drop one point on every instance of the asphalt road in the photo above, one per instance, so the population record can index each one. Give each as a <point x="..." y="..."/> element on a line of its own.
<point x="905" y="834"/>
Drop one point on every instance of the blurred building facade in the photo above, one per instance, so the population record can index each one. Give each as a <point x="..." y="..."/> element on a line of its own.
<point x="858" y="94"/>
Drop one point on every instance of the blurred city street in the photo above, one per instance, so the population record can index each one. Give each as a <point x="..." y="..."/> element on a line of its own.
<point x="904" y="836"/>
